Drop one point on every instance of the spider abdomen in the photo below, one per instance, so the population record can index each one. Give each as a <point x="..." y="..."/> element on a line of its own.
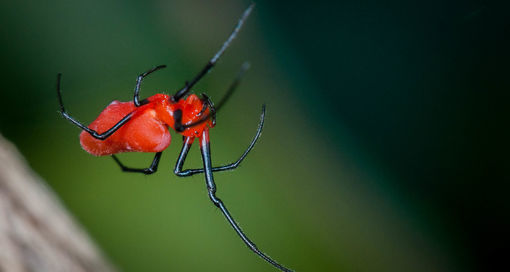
<point x="143" y="133"/>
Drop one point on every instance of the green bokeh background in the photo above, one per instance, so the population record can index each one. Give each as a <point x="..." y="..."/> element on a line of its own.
<point x="384" y="146"/>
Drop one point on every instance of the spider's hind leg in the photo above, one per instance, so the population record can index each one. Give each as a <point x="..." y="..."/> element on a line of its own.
<point x="93" y="133"/>
<point x="150" y="170"/>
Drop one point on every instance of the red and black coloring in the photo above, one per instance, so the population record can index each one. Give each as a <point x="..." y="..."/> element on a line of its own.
<point x="142" y="126"/>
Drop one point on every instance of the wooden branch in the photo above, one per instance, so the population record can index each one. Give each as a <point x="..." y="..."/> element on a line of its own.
<point x="36" y="232"/>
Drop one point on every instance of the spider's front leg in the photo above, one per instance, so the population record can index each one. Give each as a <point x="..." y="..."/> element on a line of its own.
<point x="188" y="141"/>
<point x="211" y="189"/>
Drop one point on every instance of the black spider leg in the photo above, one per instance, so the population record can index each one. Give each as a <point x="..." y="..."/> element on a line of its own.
<point x="95" y="134"/>
<point x="150" y="170"/>
<point x="224" y="99"/>
<point x="233" y="86"/>
<point x="136" y="98"/>
<point x="189" y="140"/>
<point x="211" y="188"/>
<point x="214" y="59"/>
<point x="208" y="104"/>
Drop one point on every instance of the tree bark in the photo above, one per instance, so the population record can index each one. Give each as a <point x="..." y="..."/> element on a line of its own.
<point x="36" y="231"/>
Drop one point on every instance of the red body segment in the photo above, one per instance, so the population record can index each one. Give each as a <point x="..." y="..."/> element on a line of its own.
<point x="147" y="131"/>
<point x="143" y="133"/>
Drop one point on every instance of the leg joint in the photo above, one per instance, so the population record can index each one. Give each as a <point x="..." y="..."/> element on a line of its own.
<point x="149" y="171"/>
<point x="180" y="173"/>
<point x="98" y="136"/>
<point x="213" y="197"/>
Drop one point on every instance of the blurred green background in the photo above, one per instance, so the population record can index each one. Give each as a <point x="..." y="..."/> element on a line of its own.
<point x="384" y="147"/>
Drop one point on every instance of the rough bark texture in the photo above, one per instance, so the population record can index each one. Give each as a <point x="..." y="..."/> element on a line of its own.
<point x="36" y="232"/>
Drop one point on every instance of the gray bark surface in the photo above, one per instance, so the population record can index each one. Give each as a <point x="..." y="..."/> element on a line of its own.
<point x="36" y="231"/>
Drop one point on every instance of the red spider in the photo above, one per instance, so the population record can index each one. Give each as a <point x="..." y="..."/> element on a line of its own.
<point x="142" y="126"/>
